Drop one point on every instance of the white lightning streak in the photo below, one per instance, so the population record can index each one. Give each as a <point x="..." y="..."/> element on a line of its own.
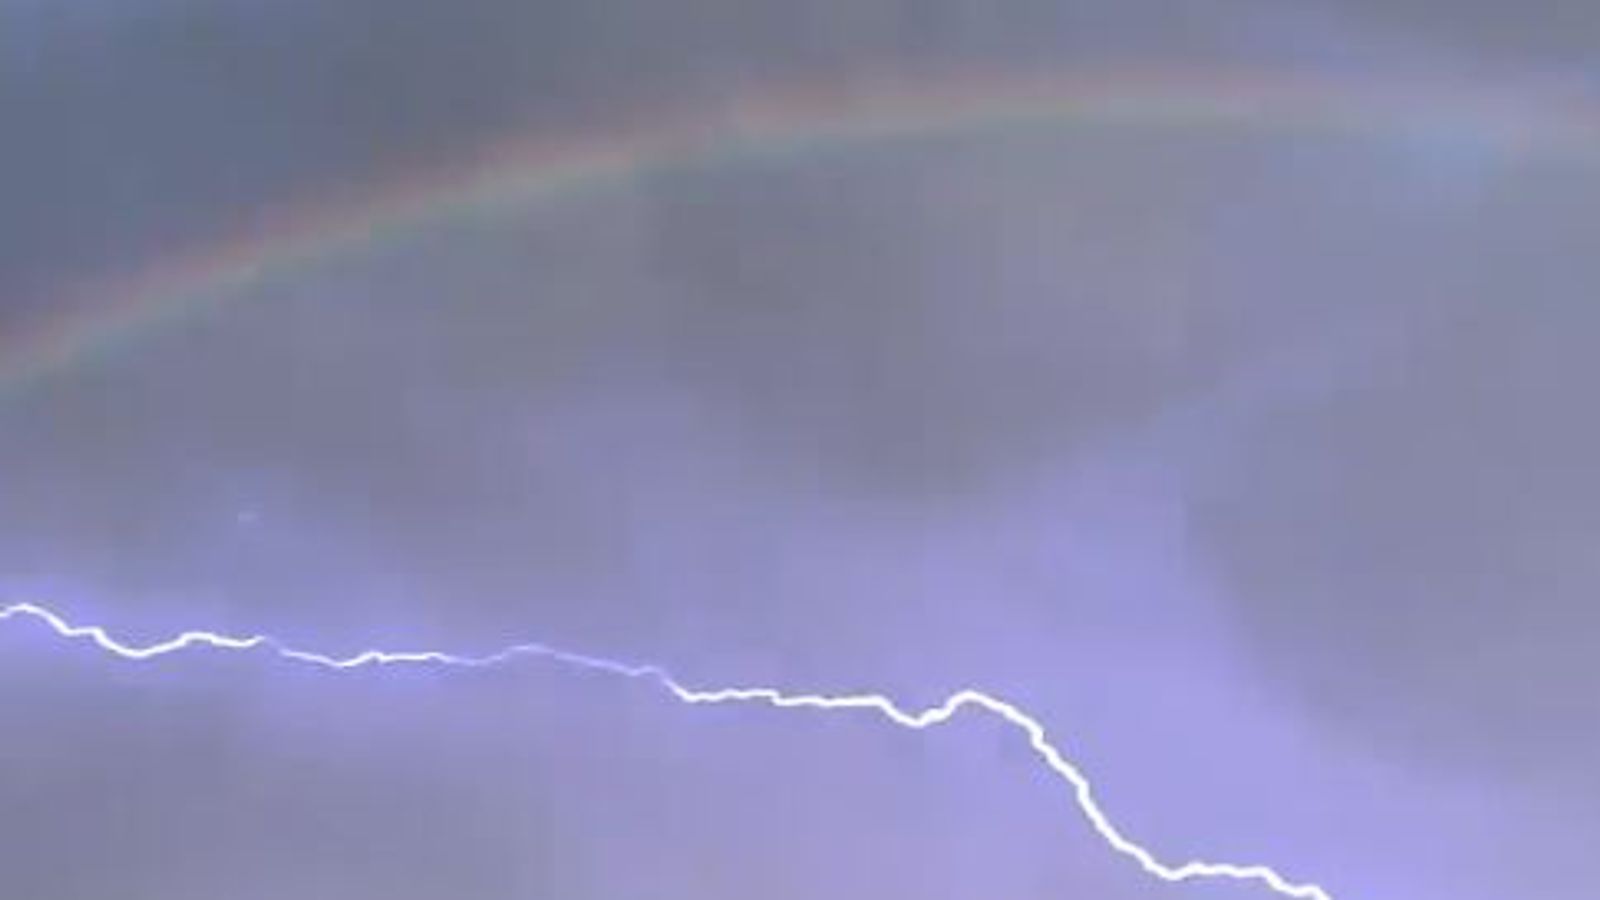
<point x="1082" y="790"/>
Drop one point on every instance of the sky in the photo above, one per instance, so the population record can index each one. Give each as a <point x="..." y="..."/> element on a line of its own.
<point x="1251" y="459"/>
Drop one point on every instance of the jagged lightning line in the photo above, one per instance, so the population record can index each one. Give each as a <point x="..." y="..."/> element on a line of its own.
<point x="1082" y="790"/>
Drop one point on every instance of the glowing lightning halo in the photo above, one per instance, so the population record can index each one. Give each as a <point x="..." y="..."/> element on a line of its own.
<point x="928" y="717"/>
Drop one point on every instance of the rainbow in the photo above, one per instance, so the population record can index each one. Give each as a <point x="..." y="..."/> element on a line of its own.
<point x="512" y="173"/>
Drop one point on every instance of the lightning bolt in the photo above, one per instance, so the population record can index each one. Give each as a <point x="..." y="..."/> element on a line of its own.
<point x="1030" y="728"/>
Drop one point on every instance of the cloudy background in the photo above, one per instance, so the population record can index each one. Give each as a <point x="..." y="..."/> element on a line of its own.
<point x="1261" y="467"/>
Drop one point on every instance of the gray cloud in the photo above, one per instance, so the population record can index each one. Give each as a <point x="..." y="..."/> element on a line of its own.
<point x="1256" y="464"/>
